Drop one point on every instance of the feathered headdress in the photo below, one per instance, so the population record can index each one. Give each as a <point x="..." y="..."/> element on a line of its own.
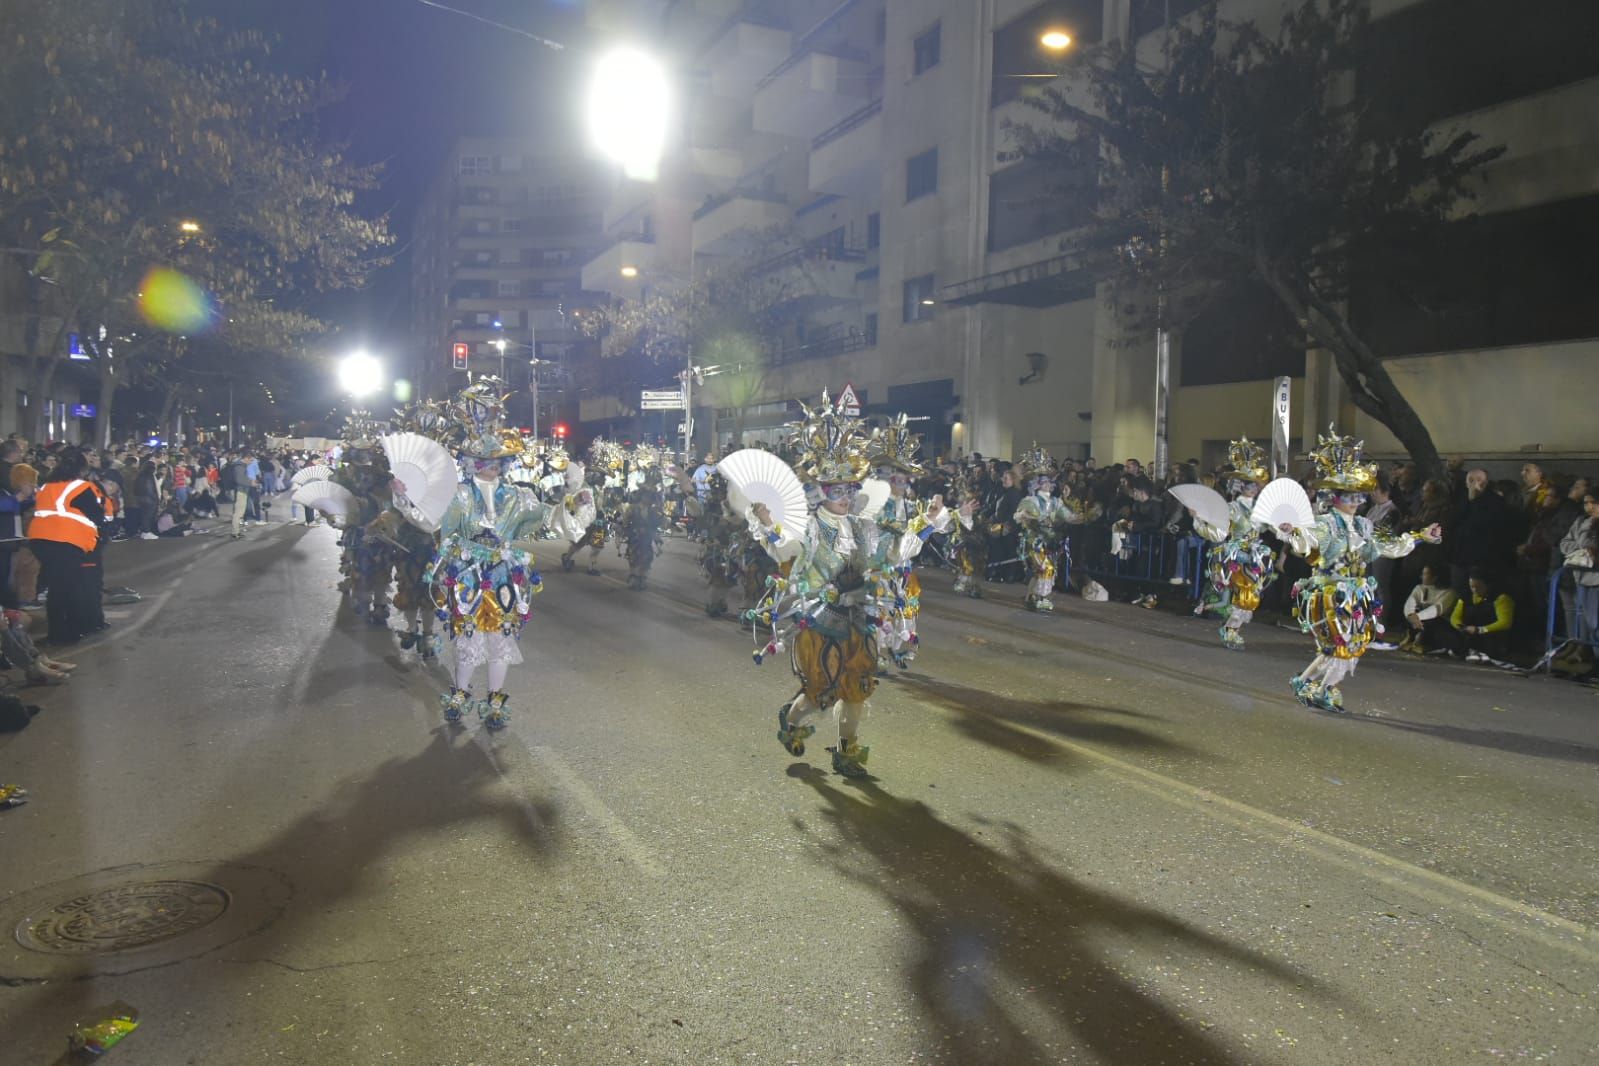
<point x="1248" y="461"/>
<point x="1341" y="464"/>
<point x="830" y="447"/>
<point x="361" y="431"/>
<point x="894" y="446"/>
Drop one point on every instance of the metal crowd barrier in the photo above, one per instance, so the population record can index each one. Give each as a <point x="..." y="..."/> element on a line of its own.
<point x="1585" y="600"/>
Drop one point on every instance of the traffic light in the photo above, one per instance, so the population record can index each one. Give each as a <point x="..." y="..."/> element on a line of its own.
<point x="458" y="354"/>
<point x="560" y="431"/>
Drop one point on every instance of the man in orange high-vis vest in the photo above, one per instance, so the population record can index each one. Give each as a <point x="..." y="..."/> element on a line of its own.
<point x="64" y="533"/>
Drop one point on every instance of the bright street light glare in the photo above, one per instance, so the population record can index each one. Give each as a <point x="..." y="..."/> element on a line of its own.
<point x="630" y="272"/>
<point x="628" y="105"/>
<point x="1055" y="40"/>
<point x="360" y="374"/>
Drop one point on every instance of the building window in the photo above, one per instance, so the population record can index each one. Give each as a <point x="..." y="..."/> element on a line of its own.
<point x="921" y="175"/>
<point x="871" y="330"/>
<point x="926" y="49"/>
<point x="483" y="318"/>
<point x="483" y="258"/>
<point x="510" y="256"/>
<point x="511" y="289"/>
<point x="473" y="166"/>
<point x="918" y="298"/>
<point x="1023" y="65"/>
<point x="874" y="230"/>
<point x="554" y="257"/>
<point x="511" y="225"/>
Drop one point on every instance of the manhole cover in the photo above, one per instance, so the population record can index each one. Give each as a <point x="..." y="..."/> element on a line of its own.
<point x="123" y="917"/>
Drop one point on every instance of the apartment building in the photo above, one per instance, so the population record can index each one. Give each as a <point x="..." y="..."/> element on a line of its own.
<point x="874" y="134"/>
<point x="499" y="245"/>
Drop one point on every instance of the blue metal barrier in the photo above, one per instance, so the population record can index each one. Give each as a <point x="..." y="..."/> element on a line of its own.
<point x="1143" y="560"/>
<point x="1586" y="599"/>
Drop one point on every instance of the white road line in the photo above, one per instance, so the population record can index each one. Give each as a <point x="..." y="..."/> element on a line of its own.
<point x="634" y="848"/>
<point x="1431" y="885"/>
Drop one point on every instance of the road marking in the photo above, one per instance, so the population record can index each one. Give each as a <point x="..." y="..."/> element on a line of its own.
<point x="1436" y="887"/>
<point x="634" y="848"/>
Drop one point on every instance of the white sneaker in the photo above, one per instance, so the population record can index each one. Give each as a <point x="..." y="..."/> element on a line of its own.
<point x="1382" y="645"/>
<point x="148" y="536"/>
<point x="1178" y="581"/>
<point x="1476" y="657"/>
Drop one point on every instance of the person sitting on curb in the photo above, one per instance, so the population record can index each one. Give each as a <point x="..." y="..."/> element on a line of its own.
<point x="1479" y="626"/>
<point x="1428" y="609"/>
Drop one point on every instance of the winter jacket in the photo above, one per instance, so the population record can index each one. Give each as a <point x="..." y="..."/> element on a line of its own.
<point x="1483" y="532"/>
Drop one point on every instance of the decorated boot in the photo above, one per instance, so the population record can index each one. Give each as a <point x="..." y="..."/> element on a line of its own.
<point x="1306" y="692"/>
<point x="454" y="703"/>
<point x="495" y="716"/>
<point x="849" y="758"/>
<point x="792" y="737"/>
<point x="568" y="563"/>
<point x="1230" y="638"/>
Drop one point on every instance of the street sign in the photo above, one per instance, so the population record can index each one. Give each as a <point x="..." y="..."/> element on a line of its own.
<point x="83" y="410"/>
<point x="848" y="402"/>
<point x="75" y="350"/>
<point x="458" y="354"/>
<point x="661" y="400"/>
<point x="1281" y="394"/>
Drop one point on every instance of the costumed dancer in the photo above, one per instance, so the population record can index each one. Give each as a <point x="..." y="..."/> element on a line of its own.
<point x="970" y="546"/>
<point x="1241" y="568"/>
<point x="641" y="525"/>
<point x="893" y="452"/>
<point x="593" y="517"/>
<point x="1338" y="604"/>
<point x="720" y="544"/>
<point x="367" y="561"/>
<point x="835" y="558"/>
<point x="483" y="581"/>
<point x="1043" y="521"/>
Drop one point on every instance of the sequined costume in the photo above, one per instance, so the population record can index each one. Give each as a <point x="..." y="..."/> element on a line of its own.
<point x="367" y="561"/>
<point x="483" y="581"/>
<point x="1240" y="567"/>
<point x="1338" y="604"/>
<point x="836" y="590"/>
<point x="900" y="594"/>
<point x="641" y="531"/>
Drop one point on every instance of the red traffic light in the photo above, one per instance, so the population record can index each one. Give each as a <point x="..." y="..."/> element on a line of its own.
<point x="458" y="353"/>
<point x="560" y="430"/>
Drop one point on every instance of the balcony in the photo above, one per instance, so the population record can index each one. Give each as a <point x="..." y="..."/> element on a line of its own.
<point x="810" y="92"/>
<point x="604" y="272"/>
<point x="740" y="52"/>
<point x="724" y="223"/>
<point x="813" y="278"/>
<point x="845" y="160"/>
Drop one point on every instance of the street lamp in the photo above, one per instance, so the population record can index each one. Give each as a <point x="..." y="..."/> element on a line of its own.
<point x="630" y="272"/>
<point x="189" y="225"/>
<point x="1056" y="40"/>
<point x="628" y="106"/>
<point x="360" y="374"/>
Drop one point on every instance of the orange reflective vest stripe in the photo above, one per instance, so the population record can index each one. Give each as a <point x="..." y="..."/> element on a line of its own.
<point x="54" y="517"/>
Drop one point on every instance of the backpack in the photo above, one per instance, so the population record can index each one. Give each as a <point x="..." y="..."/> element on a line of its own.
<point x="238" y="475"/>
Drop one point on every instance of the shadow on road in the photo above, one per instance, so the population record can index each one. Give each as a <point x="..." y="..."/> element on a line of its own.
<point x="1009" y="959"/>
<point x="992" y="719"/>
<point x="1497" y="739"/>
<point x="335" y="858"/>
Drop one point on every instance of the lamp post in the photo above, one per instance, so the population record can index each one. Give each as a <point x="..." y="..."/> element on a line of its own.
<point x="629" y="104"/>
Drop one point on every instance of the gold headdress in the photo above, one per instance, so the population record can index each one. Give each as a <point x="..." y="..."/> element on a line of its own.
<point x="1341" y="466"/>
<point x="478" y="412"/>
<point x="895" y="446"/>
<point x="605" y="455"/>
<point x="1036" y="463"/>
<point x="361" y="431"/>
<point x="1248" y="461"/>
<point x="830" y="447"/>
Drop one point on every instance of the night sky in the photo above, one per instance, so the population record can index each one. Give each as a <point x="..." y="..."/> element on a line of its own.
<point x="417" y="78"/>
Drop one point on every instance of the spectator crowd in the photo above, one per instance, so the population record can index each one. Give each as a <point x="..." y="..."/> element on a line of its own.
<point x="1483" y="594"/>
<point x="60" y="505"/>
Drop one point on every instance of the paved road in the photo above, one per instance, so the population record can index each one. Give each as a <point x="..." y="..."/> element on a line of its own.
<point x="1094" y="837"/>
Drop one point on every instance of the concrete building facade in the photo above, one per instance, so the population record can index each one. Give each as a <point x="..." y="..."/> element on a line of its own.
<point x="875" y="135"/>
<point x="499" y="245"/>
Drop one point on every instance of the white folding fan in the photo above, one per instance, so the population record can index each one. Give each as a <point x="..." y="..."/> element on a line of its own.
<point x="1283" y="502"/>
<point x="319" y="472"/>
<point x="426" y="469"/>
<point x="333" y="500"/>
<point x="874" y="493"/>
<point x="756" y="476"/>
<point x="1206" y="503"/>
